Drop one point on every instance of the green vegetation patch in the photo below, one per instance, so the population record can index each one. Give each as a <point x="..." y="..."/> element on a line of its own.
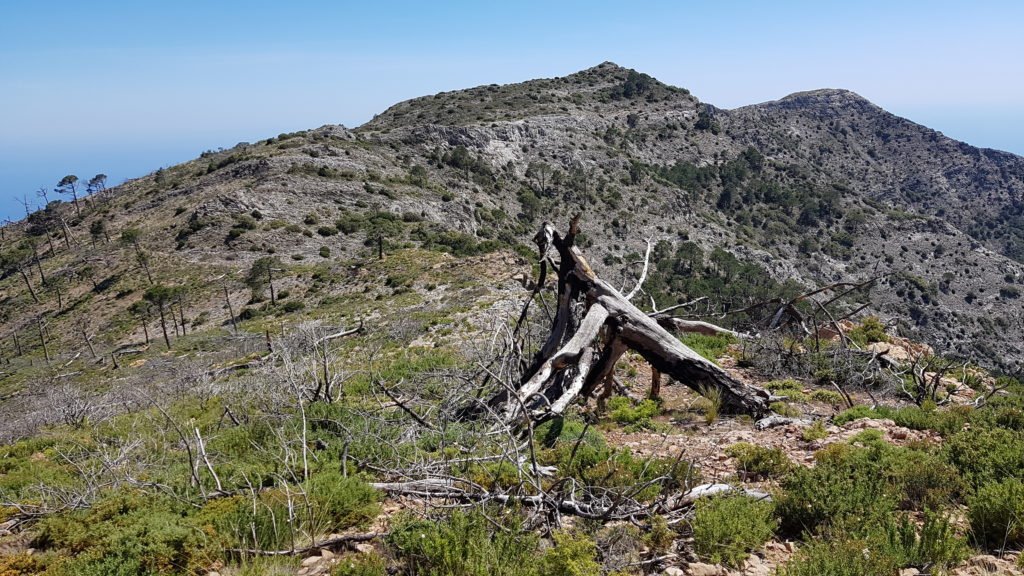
<point x="727" y="528"/>
<point x="711" y="347"/>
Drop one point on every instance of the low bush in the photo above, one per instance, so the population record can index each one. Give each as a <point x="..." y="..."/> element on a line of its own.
<point x="845" y="484"/>
<point x="341" y="502"/>
<point x="934" y="545"/>
<point x="293" y="306"/>
<point x="985" y="455"/>
<point x="869" y="330"/>
<point x="237" y="521"/>
<point x="727" y="528"/>
<point x="127" y="532"/>
<point x="622" y="411"/>
<point x="759" y="461"/>
<point x="925" y="480"/>
<point x="996" y="514"/>
<point x="659" y="537"/>
<point x="783" y="409"/>
<point x="882" y="548"/>
<point x="946" y="422"/>
<point x="835" y="556"/>
<point x="711" y="347"/>
<point x="574" y="446"/>
<point x="466" y="544"/>
<point x="814" y="432"/>
<point x="861" y="411"/>
<point x="580" y="452"/>
<point x="791" y="389"/>
<point x="574" y="554"/>
<point x="827" y="397"/>
<point x="20" y="563"/>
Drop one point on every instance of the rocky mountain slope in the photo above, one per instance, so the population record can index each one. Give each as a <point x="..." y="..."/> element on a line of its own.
<point x="265" y="351"/>
<point x="783" y="196"/>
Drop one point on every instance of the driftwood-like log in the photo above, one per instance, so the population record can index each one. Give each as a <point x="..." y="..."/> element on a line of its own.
<point x="576" y="358"/>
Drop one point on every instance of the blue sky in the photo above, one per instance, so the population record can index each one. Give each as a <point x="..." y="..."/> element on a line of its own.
<point x="124" y="88"/>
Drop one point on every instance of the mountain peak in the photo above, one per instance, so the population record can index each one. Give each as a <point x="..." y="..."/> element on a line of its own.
<point x="828" y="97"/>
<point x="581" y="92"/>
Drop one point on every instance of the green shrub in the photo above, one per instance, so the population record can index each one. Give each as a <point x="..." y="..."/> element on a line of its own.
<point x="1010" y="418"/>
<point x="268" y="522"/>
<point x="293" y="306"/>
<point x="20" y="563"/>
<point x="466" y="544"/>
<point x="341" y="502"/>
<point x="869" y="437"/>
<point x="325" y="252"/>
<point x="846" y="484"/>
<point x="623" y="412"/>
<point x="996" y="514"/>
<point x="828" y="397"/>
<point x="935" y="545"/>
<point x="838" y="556"/>
<point x="926" y="481"/>
<point x="814" y="432"/>
<point x="127" y="532"/>
<point x="986" y="455"/>
<point x="759" y="460"/>
<point x="861" y="411"/>
<point x="575" y="447"/>
<point x="915" y="418"/>
<point x="869" y="330"/>
<point x="727" y="528"/>
<point x="711" y="347"/>
<point x="783" y="409"/>
<point x="791" y="389"/>
<point x="248" y="313"/>
<point x="574" y="554"/>
<point x="659" y="537"/>
<point x="580" y="452"/>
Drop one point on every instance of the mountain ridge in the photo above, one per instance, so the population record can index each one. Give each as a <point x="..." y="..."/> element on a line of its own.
<point x="813" y="188"/>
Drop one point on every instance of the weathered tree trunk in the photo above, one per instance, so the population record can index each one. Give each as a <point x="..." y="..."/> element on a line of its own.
<point x="28" y="284"/>
<point x="163" y="324"/>
<point x="574" y="360"/>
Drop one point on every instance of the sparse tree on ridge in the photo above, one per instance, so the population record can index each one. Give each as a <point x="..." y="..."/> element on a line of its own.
<point x="97" y="184"/>
<point x="69" y="185"/>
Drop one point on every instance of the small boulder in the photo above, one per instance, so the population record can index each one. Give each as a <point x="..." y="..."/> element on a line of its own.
<point x="702" y="569"/>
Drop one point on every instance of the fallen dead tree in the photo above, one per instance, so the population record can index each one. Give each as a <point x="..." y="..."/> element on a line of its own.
<point x="593" y="325"/>
<point x="611" y="505"/>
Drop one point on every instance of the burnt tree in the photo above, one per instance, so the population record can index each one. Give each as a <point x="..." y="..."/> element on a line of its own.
<point x="592" y="327"/>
